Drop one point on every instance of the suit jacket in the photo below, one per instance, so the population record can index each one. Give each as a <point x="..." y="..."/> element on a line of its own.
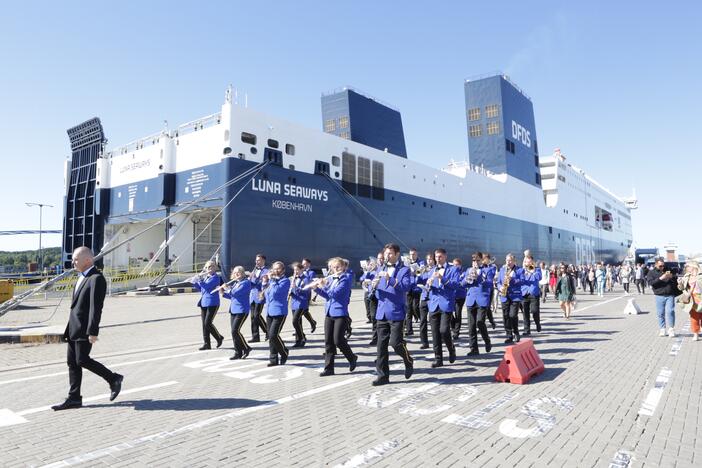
<point x="480" y="290"/>
<point x="239" y="295"/>
<point x="276" y="294"/>
<point x="86" y="307"/>
<point x="392" y="294"/>
<point x="531" y="283"/>
<point x="338" y="294"/>
<point x="514" y="290"/>
<point x="206" y="286"/>
<point x="442" y="294"/>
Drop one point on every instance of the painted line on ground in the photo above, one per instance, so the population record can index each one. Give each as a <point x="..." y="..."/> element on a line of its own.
<point x="599" y="304"/>
<point x="159" y="436"/>
<point x="371" y="455"/>
<point x="622" y="459"/>
<point x="649" y="405"/>
<point x="10" y="418"/>
<point x="117" y="364"/>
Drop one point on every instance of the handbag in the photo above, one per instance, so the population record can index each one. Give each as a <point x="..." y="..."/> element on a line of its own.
<point x="685" y="297"/>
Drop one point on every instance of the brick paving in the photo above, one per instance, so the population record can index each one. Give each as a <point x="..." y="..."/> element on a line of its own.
<point x="582" y="411"/>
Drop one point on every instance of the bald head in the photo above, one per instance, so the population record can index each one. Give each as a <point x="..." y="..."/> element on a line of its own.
<point x="82" y="258"/>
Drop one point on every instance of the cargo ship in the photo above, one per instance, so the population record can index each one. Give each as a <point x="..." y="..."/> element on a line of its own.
<point x="343" y="190"/>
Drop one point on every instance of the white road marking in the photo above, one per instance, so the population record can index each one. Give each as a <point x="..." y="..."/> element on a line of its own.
<point x="476" y="420"/>
<point x="114" y="449"/>
<point x="544" y="421"/>
<point x="111" y="365"/>
<point x="371" y="455"/>
<point x="648" y="407"/>
<point x="677" y="344"/>
<point x="9" y="418"/>
<point x="622" y="459"/>
<point x="599" y="304"/>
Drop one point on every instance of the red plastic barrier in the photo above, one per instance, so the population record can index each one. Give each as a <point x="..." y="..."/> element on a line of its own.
<point x="520" y="363"/>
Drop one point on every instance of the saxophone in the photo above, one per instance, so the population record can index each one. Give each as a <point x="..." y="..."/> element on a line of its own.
<point x="505" y="283"/>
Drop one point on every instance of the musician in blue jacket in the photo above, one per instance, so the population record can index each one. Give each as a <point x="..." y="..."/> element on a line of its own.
<point x="275" y="289"/>
<point x="422" y="280"/>
<point x="511" y="299"/>
<point x="492" y="272"/>
<point x="414" y="294"/>
<point x="238" y="290"/>
<point x="257" y="299"/>
<point x="461" y="293"/>
<point x="374" y="300"/>
<point x="208" y="283"/>
<point x="391" y="286"/>
<point x="369" y="271"/>
<point x="531" y="293"/>
<point x="478" y="278"/>
<point x="443" y="282"/>
<point x="299" y="302"/>
<point x="336" y="289"/>
<point x="309" y="274"/>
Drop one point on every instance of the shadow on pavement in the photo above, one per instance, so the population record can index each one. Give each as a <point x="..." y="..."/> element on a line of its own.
<point x="185" y="404"/>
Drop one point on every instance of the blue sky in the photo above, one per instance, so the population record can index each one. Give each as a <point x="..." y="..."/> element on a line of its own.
<point x="615" y="85"/>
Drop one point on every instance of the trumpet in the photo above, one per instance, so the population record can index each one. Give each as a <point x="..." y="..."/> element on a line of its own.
<point x="531" y="268"/>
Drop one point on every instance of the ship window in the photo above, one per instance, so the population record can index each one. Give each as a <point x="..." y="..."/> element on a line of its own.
<point x="348" y="172"/>
<point x="536" y="160"/>
<point x="538" y="178"/>
<point x="329" y="125"/>
<point x="492" y="111"/>
<point x="290" y="149"/>
<point x="344" y="122"/>
<point x="345" y="135"/>
<point x="561" y="178"/>
<point x="291" y="167"/>
<point x="476" y="130"/>
<point x="493" y="128"/>
<point x="273" y="143"/>
<point x="336" y="162"/>
<point x="474" y="113"/>
<point x="509" y="146"/>
<point x="364" y="177"/>
<point x="249" y="138"/>
<point x="378" y="180"/>
<point x="253" y="150"/>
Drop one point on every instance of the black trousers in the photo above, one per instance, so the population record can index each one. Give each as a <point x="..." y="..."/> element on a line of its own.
<point x="591" y="286"/>
<point x="240" y="344"/>
<point x="334" y="337"/>
<point x="390" y="333"/>
<point x="458" y="317"/>
<point x="424" y="322"/>
<point x="297" y="325"/>
<point x="544" y="292"/>
<point x="366" y="302"/>
<point x="208" y="314"/>
<point x="373" y="309"/>
<point x="510" y="317"/>
<point x="275" y="342"/>
<point x="308" y="316"/>
<point x="78" y="357"/>
<point x="626" y="287"/>
<point x="257" y="321"/>
<point x="441" y="333"/>
<point x="530" y="308"/>
<point x="476" y="322"/>
<point x="412" y="310"/>
<point x="641" y="286"/>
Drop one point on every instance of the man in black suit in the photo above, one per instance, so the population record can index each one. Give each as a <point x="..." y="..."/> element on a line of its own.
<point x="82" y="330"/>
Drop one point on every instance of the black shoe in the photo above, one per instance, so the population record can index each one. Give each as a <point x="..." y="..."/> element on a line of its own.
<point x="373" y="343"/>
<point x="236" y="356"/>
<point x="246" y="353"/>
<point x="352" y="363"/>
<point x="473" y="352"/>
<point x="488" y="346"/>
<point x="116" y="386"/>
<point x="538" y="327"/>
<point x="68" y="404"/>
<point x="409" y="333"/>
<point x="452" y="356"/>
<point x="517" y="337"/>
<point x="220" y="340"/>
<point x="326" y="373"/>
<point x="380" y="381"/>
<point x="436" y="363"/>
<point x="255" y="340"/>
<point x="314" y="326"/>
<point x="424" y="346"/>
<point x="509" y="340"/>
<point x="272" y="364"/>
<point x="204" y="347"/>
<point x="526" y="333"/>
<point x="492" y="324"/>
<point x="409" y="370"/>
<point x="454" y="337"/>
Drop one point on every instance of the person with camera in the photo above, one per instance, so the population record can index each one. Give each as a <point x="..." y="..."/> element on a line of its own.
<point x="665" y="287"/>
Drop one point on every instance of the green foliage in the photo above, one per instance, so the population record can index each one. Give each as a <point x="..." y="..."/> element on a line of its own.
<point x="19" y="260"/>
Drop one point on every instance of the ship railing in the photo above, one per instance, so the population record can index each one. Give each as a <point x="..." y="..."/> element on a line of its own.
<point x="135" y="145"/>
<point x="198" y="124"/>
<point x="471" y="167"/>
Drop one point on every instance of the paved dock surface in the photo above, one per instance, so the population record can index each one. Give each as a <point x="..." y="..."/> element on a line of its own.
<point x="613" y="394"/>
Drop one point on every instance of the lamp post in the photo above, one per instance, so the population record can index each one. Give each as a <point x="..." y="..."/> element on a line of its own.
<point x="41" y="252"/>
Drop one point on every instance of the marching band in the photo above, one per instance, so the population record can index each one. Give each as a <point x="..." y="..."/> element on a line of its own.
<point x="398" y="291"/>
